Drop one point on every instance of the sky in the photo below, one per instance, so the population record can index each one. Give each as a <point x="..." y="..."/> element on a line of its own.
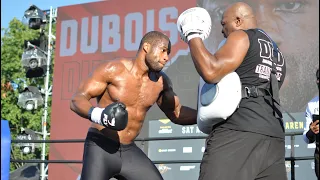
<point x="16" y="8"/>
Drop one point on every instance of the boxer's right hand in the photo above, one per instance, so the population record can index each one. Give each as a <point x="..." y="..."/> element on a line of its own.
<point x="114" y="116"/>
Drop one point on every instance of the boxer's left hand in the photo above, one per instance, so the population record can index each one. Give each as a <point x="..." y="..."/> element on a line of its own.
<point x="194" y="22"/>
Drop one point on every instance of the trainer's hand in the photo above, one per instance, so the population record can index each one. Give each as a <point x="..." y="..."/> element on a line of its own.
<point x="314" y="127"/>
<point x="194" y="22"/>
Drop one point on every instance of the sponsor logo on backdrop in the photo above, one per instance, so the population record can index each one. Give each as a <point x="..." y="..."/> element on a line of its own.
<point x="187" y="150"/>
<point x="186" y="168"/>
<point x="203" y="149"/>
<point x="163" y="168"/>
<point x="165" y="129"/>
<point x="289" y="146"/>
<point x="312" y="165"/>
<point x="311" y="146"/>
<point x="166" y="150"/>
<point x="288" y="166"/>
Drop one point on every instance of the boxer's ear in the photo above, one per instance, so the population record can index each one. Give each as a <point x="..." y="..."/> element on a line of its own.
<point x="239" y="21"/>
<point x="146" y="47"/>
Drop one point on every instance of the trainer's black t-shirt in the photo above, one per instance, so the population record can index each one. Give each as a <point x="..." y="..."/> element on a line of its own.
<point x="256" y="114"/>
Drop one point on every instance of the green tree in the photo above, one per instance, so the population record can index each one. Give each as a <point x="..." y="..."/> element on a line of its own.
<point x="12" y="47"/>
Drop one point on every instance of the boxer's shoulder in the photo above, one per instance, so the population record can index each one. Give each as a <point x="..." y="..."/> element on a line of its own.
<point x="239" y="35"/>
<point x="114" y="66"/>
<point x="166" y="80"/>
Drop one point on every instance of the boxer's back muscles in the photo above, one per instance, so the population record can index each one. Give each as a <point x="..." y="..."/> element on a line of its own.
<point x="117" y="81"/>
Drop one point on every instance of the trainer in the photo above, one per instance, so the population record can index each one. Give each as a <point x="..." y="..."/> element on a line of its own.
<point x="125" y="90"/>
<point x="250" y="143"/>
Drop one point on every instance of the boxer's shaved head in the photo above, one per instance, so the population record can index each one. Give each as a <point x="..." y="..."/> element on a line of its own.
<point x="238" y="16"/>
<point x="154" y="38"/>
<point x="241" y="10"/>
<point x="154" y="49"/>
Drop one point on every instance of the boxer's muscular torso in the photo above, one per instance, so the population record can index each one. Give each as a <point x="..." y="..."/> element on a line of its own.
<point x="138" y="94"/>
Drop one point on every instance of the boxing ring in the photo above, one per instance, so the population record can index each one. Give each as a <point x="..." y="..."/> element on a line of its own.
<point x="5" y="149"/>
<point x="292" y="157"/>
<point x="73" y="63"/>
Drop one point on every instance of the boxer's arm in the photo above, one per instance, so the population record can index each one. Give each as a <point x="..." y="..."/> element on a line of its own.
<point x="213" y="67"/>
<point x="92" y="87"/>
<point x="169" y="103"/>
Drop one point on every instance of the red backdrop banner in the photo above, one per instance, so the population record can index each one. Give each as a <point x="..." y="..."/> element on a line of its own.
<point x="88" y="34"/>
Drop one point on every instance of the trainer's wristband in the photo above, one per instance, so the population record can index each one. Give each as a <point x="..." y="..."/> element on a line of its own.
<point x="95" y="114"/>
<point x="194" y="35"/>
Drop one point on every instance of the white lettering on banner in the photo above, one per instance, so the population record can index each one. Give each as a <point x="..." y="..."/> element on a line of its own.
<point x="172" y="27"/>
<point x="166" y="150"/>
<point x="150" y="20"/>
<point x="165" y="131"/>
<point x="93" y="47"/>
<point x="190" y="130"/>
<point x="128" y="32"/>
<point x="110" y="34"/>
<point x="187" y="150"/>
<point x="186" y="168"/>
<point x="67" y="25"/>
<point x="289" y="146"/>
<point x="289" y="165"/>
<point x="311" y="146"/>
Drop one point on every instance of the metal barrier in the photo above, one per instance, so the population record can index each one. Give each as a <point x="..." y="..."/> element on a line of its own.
<point x="292" y="159"/>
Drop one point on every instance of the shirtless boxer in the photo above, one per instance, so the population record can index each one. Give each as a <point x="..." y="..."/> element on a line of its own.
<point x="125" y="90"/>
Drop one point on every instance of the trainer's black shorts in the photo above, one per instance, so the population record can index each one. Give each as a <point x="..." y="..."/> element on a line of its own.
<point x="238" y="155"/>
<point x="104" y="158"/>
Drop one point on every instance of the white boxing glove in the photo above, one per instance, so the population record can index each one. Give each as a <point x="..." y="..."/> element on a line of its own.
<point x="194" y="22"/>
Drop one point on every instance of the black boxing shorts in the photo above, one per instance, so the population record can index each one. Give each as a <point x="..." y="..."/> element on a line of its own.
<point x="104" y="158"/>
<point x="232" y="154"/>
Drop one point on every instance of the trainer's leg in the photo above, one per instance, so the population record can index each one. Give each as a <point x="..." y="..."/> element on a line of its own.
<point x="273" y="166"/>
<point x="100" y="158"/>
<point x="137" y="166"/>
<point x="232" y="155"/>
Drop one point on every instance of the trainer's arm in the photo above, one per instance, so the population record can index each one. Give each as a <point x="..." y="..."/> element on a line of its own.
<point x="93" y="86"/>
<point x="169" y="103"/>
<point x="213" y="67"/>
